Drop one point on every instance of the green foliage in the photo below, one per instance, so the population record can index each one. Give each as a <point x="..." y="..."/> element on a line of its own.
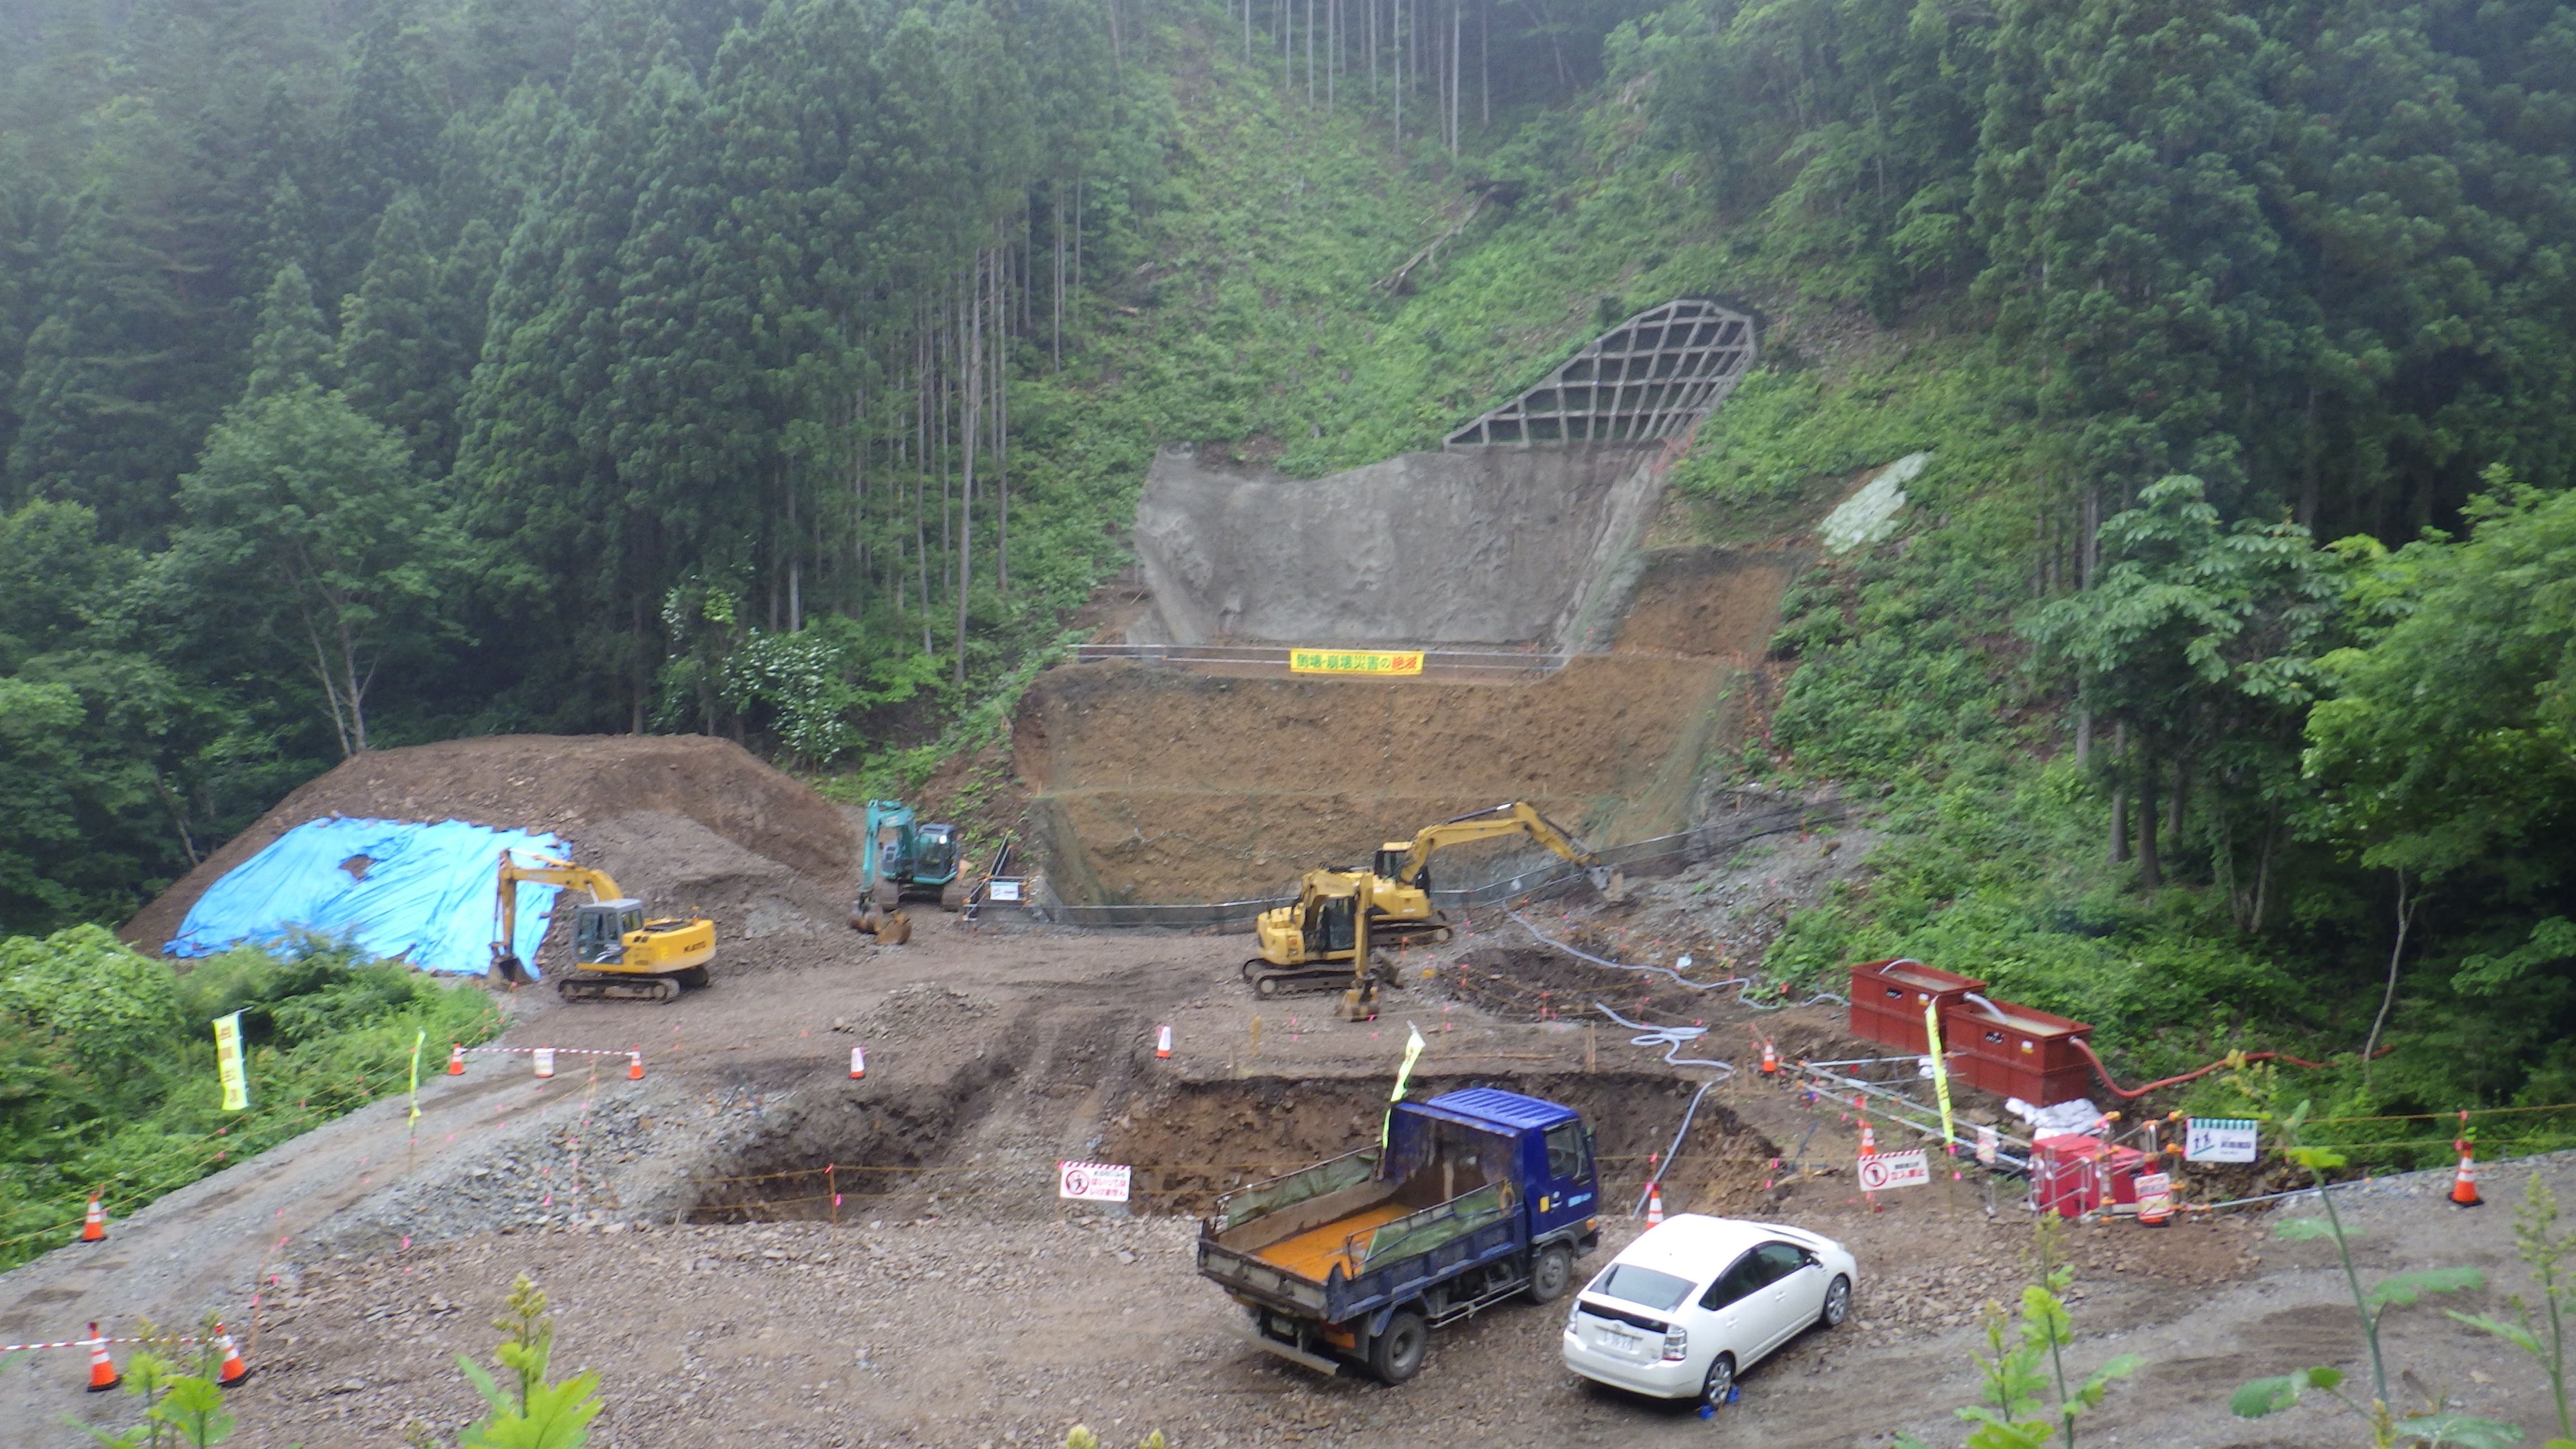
<point x="2438" y="769"/>
<point x="534" y="1411"/>
<point x="107" y="1063"/>
<point x="1081" y="1437"/>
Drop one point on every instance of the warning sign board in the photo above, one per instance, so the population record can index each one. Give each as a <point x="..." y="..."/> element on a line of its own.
<point x="1099" y="1181"/>
<point x="2155" y="1196"/>
<point x="1354" y="661"/>
<point x="1884" y="1170"/>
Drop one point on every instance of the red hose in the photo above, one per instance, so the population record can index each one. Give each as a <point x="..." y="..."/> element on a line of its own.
<point x="2127" y="1094"/>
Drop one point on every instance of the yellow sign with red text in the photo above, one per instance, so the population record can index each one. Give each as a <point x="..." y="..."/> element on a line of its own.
<point x="1355" y="661"/>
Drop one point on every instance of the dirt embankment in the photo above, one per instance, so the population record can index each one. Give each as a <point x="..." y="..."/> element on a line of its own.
<point x="686" y="821"/>
<point x="1159" y="784"/>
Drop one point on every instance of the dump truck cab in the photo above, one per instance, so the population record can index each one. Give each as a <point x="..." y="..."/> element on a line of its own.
<point x="1471" y="1198"/>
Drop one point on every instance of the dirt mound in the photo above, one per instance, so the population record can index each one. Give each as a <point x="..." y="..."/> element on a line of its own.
<point x="1160" y="784"/>
<point x="922" y="1009"/>
<point x="1709" y="600"/>
<point x="614" y="793"/>
<point x="680" y="867"/>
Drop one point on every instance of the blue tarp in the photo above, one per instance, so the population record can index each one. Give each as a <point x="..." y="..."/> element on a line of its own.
<point x="425" y="894"/>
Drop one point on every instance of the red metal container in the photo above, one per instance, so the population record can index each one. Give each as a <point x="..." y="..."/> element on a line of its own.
<point x="2015" y="1051"/>
<point x="2065" y="1175"/>
<point x="1888" y="997"/>
<point x="2120" y="1168"/>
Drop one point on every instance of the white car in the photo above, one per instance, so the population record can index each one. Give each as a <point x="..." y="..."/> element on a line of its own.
<point x="1697" y="1300"/>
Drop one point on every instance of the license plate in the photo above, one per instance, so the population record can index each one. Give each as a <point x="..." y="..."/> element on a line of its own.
<point x="1618" y="1342"/>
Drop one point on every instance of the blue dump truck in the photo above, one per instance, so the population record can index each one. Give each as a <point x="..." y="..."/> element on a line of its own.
<point x="1473" y="1197"/>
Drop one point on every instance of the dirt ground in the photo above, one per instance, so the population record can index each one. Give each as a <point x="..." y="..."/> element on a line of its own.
<point x="685" y="1228"/>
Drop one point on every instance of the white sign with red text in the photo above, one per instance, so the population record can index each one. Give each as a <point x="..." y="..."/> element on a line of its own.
<point x="1884" y="1170"/>
<point x="1094" y="1181"/>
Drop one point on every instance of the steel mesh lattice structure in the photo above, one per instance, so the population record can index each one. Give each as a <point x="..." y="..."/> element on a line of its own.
<point x="1648" y="378"/>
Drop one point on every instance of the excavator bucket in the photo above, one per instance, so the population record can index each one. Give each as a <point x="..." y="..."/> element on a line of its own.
<point x="895" y="929"/>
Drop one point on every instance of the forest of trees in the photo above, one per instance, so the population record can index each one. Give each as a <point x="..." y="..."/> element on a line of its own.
<point x="374" y="371"/>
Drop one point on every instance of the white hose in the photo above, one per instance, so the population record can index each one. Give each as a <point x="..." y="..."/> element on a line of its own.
<point x="1746" y="983"/>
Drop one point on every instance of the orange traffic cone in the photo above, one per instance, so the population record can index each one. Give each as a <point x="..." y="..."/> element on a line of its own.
<point x="1868" y="1141"/>
<point x="2464" y="1187"/>
<point x="1770" y="1060"/>
<point x="1163" y="1042"/>
<point x="94" y="1227"/>
<point x="634" y="1066"/>
<point x="102" y="1369"/>
<point x="456" y="1061"/>
<point x="234" y="1370"/>
<point x="1654" y="1203"/>
<point x="858" y="1063"/>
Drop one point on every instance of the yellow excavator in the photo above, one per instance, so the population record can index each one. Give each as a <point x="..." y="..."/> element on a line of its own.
<point x="1326" y="935"/>
<point x="618" y="954"/>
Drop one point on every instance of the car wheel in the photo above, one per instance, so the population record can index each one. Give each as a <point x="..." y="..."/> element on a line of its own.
<point x="1398" y="1353"/>
<point x="1720" y="1382"/>
<point x="1837" y="1302"/>
<point x="1552" y="1274"/>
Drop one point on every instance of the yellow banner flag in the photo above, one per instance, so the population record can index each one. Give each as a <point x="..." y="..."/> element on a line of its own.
<point x="228" y="1063"/>
<point x="419" y="1036"/>
<point x="1354" y="661"/>
<point x="1940" y="1069"/>
<point x="1413" y="1045"/>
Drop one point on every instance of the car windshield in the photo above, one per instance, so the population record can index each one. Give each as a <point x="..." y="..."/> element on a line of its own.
<point x="1642" y="1286"/>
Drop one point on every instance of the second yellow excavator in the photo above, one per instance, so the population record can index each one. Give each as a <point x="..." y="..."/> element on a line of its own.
<point x="618" y="954"/>
<point x="1325" y="936"/>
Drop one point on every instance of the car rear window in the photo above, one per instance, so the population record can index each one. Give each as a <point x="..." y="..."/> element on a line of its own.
<point x="1642" y="1286"/>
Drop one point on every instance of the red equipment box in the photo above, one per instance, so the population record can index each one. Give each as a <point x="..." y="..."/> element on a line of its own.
<point x="1888" y="997"/>
<point x="2071" y="1175"/>
<point x="2014" y="1051"/>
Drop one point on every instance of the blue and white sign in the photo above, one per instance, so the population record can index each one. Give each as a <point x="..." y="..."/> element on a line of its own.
<point x="2219" y="1139"/>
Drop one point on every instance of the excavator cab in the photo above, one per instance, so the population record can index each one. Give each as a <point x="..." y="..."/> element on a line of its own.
<point x="600" y="929"/>
<point x="1390" y="865"/>
<point x="1333" y="925"/>
<point x="935" y="856"/>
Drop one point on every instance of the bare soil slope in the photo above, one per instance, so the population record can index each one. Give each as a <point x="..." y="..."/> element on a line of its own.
<point x="1159" y="784"/>
<point x="696" y="821"/>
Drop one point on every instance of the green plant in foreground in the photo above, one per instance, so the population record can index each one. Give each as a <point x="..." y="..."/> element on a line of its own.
<point x="2018" y="1412"/>
<point x="2271" y="1395"/>
<point x="179" y="1408"/>
<point x="2543" y="1335"/>
<point x="537" y="1413"/>
<point x="1081" y="1437"/>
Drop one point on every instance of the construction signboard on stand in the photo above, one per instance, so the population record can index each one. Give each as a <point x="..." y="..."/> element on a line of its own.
<point x="1092" y="1181"/>
<point x="1885" y="1170"/>
<point x="2219" y="1139"/>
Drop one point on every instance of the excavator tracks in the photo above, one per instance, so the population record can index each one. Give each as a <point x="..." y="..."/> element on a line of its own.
<point x="601" y="986"/>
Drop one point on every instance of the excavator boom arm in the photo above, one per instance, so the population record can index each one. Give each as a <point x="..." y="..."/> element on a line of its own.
<point x="505" y="911"/>
<point x="1518" y="818"/>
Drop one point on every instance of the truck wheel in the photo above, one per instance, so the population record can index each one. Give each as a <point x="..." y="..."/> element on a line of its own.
<point x="1398" y="1353"/>
<point x="1552" y="1274"/>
